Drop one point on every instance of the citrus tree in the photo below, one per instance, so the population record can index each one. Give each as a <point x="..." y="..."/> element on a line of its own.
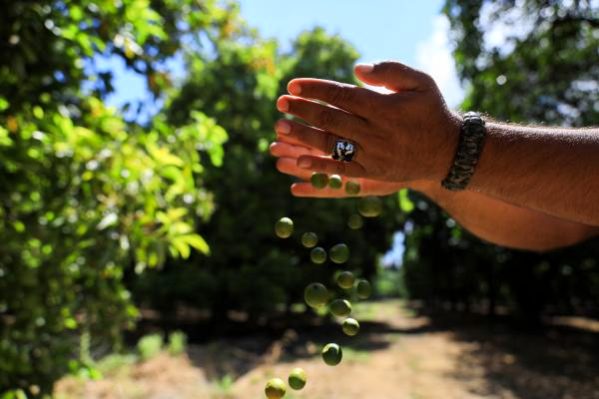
<point x="542" y="71"/>
<point x="251" y="269"/>
<point x="88" y="197"/>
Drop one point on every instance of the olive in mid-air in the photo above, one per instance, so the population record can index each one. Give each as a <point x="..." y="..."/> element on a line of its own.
<point x="284" y="227"/>
<point x="339" y="253"/>
<point x="275" y="389"/>
<point x="335" y="182"/>
<point x="370" y="207"/>
<point x="350" y="326"/>
<point x="316" y="295"/>
<point x="355" y="222"/>
<point x="340" y="307"/>
<point x="346" y="280"/>
<point x="332" y="354"/>
<point x="352" y="187"/>
<point x="363" y="289"/>
<point x="319" y="180"/>
<point x="309" y="240"/>
<point x="297" y="378"/>
<point x="318" y="255"/>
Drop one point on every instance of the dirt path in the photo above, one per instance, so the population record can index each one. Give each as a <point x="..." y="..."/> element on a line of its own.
<point x="396" y="355"/>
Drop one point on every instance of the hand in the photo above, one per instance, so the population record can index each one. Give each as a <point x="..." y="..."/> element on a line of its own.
<point x="406" y="135"/>
<point x="287" y="163"/>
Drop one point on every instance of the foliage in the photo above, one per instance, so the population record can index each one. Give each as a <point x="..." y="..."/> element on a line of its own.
<point x="177" y="342"/>
<point x="149" y="346"/>
<point x="86" y="196"/>
<point x="545" y="72"/>
<point x="251" y="269"/>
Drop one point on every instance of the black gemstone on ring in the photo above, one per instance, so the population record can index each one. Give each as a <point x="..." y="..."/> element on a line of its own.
<point x="344" y="151"/>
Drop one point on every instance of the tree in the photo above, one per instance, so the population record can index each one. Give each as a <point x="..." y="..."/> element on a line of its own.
<point x="544" y="72"/>
<point x="250" y="269"/>
<point x="87" y="197"/>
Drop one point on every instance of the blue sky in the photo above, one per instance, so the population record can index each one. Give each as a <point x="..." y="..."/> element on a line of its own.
<point x="380" y="29"/>
<point x="412" y="32"/>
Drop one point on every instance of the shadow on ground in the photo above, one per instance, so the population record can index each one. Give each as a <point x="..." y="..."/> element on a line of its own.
<point x="550" y="362"/>
<point x="495" y="359"/>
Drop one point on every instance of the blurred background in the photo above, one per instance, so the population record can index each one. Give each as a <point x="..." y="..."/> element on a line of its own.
<point x="138" y="198"/>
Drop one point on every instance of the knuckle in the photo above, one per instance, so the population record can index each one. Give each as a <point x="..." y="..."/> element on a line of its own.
<point x="386" y="66"/>
<point x="387" y="106"/>
<point x="325" y="119"/>
<point x="339" y="168"/>
<point x="426" y="79"/>
<point x="340" y="95"/>
<point x="329" y="143"/>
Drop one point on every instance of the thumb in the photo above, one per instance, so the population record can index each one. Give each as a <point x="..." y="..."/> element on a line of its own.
<point x="393" y="76"/>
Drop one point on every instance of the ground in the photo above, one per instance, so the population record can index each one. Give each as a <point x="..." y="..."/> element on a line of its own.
<point x="396" y="355"/>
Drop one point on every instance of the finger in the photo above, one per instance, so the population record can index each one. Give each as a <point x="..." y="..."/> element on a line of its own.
<point x="325" y="117"/>
<point x="298" y="133"/>
<point x="289" y="167"/>
<point x="330" y="166"/>
<point x="357" y="100"/>
<point x="305" y="189"/>
<point x="368" y="187"/>
<point x="394" y="76"/>
<point x="282" y="149"/>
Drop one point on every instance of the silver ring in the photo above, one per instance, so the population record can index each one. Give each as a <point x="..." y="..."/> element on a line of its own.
<point x="344" y="150"/>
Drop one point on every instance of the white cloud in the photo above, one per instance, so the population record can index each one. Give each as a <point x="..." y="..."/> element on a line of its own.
<point x="434" y="57"/>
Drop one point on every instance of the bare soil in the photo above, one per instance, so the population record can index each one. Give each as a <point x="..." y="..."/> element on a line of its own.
<point x="396" y="355"/>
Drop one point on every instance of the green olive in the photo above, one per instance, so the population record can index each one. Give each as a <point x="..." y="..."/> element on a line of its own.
<point x="332" y="354"/>
<point x="316" y="295"/>
<point x="346" y="280"/>
<point x="318" y="255"/>
<point x="275" y="389"/>
<point x="363" y="289"/>
<point x="350" y="326"/>
<point x="340" y="307"/>
<point x="370" y="207"/>
<point x="339" y="253"/>
<point x="335" y="182"/>
<point x="352" y="187"/>
<point x="297" y="379"/>
<point x="319" y="180"/>
<point x="309" y="240"/>
<point x="284" y="227"/>
<point x="355" y="222"/>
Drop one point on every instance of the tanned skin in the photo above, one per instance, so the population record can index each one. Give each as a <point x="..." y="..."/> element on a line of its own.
<point x="490" y="219"/>
<point x="534" y="188"/>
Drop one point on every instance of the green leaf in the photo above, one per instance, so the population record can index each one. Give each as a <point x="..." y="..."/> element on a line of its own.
<point x="405" y="203"/>
<point x="181" y="246"/>
<point x="164" y="156"/>
<point x="4" y="104"/>
<point x="197" y="242"/>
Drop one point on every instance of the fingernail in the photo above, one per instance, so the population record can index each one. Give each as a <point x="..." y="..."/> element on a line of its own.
<point x="304" y="162"/>
<point x="284" y="127"/>
<point x="283" y="104"/>
<point x="295" y="88"/>
<point x="364" y="68"/>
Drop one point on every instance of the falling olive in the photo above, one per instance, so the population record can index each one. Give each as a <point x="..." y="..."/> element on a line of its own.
<point x="309" y="240"/>
<point x="284" y="227"/>
<point x="316" y="295"/>
<point x="319" y="180"/>
<point x="335" y="182"/>
<point x="332" y="354"/>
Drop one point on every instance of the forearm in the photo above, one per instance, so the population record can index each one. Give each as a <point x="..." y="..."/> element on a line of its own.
<point x="505" y="224"/>
<point x="555" y="171"/>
